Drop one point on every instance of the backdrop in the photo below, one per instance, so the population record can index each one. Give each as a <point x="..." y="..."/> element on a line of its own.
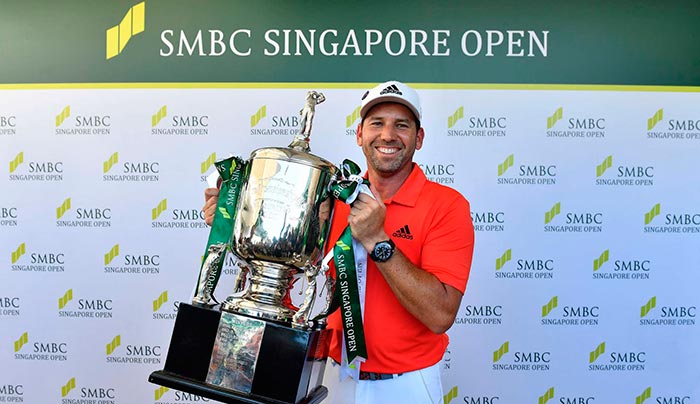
<point x="572" y="127"/>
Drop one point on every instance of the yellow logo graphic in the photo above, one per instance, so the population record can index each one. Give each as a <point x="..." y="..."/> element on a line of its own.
<point x="160" y="300"/>
<point x="134" y="22"/>
<point x="498" y="354"/>
<point x="452" y="120"/>
<point x="61" y="210"/>
<point x="114" y="344"/>
<point x="111" y="254"/>
<point x="600" y="170"/>
<point x="68" y="387"/>
<point x="647" y="307"/>
<point x="224" y="213"/>
<point x="160" y="391"/>
<point x="547" y="308"/>
<point x="155" y="212"/>
<point x="645" y="394"/>
<point x="350" y="119"/>
<point x="656" y="118"/>
<point x="62" y="116"/>
<point x="450" y="395"/>
<point x="67" y="297"/>
<point x="19" y="159"/>
<point x="555" y="117"/>
<point x="507" y="163"/>
<point x="500" y="262"/>
<point x="21" y="341"/>
<point x="255" y="119"/>
<point x="649" y="216"/>
<point x="16" y="254"/>
<point x="162" y="113"/>
<point x="597" y="263"/>
<point x="208" y="163"/>
<point x="600" y="349"/>
<point x="548" y="216"/>
<point x="107" y="165"/>
<point x="342" y="245"/>
<point x="547" y="396"/>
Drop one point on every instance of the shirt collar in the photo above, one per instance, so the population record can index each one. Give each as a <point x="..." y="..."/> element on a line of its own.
<point x="410" y="190"/>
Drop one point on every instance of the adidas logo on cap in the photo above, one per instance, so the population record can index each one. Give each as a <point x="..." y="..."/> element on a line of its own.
<point x="392" y="89"/>
<point x="403" y="232"/>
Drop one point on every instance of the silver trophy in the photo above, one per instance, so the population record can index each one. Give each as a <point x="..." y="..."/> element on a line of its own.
<point x="282" y="224"/>
<point x="258" y="346"/>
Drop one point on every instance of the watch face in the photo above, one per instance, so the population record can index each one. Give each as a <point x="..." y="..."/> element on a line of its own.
<point x="383" y="251"/>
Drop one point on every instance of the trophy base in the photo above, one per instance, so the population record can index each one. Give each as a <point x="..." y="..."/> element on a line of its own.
<point x="288" y="366"/>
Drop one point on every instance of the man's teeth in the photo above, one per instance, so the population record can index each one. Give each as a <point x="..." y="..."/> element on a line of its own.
<point x="388" y="150"/>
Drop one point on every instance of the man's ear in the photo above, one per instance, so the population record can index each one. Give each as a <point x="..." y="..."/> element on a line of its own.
<point x="419" y="138"/>
<point x="358" y="134"/>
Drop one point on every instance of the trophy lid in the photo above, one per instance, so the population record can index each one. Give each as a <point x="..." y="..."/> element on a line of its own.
<point x="292" y="155"/>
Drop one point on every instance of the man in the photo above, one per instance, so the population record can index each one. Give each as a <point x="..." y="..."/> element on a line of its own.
<point x="420" y="240"/>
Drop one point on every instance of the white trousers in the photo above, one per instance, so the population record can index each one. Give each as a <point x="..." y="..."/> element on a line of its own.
<point x="420" y="387"/>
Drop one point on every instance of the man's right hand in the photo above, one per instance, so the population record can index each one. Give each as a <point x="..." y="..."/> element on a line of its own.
<point x="211" y="197"/>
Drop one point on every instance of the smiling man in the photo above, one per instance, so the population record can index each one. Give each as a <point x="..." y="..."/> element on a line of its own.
<point x="420" y="239"/>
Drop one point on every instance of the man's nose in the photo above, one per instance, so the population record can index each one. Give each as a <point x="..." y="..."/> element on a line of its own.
<point x="388" y="133"/>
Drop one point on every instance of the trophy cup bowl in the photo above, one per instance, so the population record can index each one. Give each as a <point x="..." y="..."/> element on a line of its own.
<point x="282" y="224"/>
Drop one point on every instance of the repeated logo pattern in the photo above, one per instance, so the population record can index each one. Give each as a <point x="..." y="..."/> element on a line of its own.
<point x="111" y="254"/>
<point x="67" y="297"/>
<point x="501" y="261"/>
<point x="162" y="298"/>
<point x="70" y="385"/>
<point x="452" y="120"/>
<point x="60" y="118"/>
<point x="20" y="251"/>
<point x="19" y="159"/>
<point x="551" y="305"/>
<point x="158" y="116"/>
<point x="350" y="119"/>
<point x="552" y="120"/>
<point x="598" y="262"/>
<point x="599" y="350"/>
<point x="116" y="341"/>
<point x="111" y="161"/>
<point x="256" y="117"/>
<point x="648" y="306"/>
<point x="656" y="118"/>
<point x="552" y="213"/>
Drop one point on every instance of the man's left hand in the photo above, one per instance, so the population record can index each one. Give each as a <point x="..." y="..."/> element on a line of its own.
<point x="366" y="219"/>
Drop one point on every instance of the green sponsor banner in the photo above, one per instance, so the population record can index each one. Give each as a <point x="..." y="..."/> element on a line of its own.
<point x="227" y="41"/>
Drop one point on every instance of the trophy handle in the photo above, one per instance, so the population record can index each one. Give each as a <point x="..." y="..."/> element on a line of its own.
<point x="329" y="286"/>
<point x="300" y="319"/>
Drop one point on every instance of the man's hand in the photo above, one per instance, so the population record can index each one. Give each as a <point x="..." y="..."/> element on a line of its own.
<point x="366" y="220"/>
<point x="211" y="197"/>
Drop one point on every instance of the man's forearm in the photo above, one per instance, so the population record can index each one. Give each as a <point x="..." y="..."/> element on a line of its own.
<point x="421" y="293"/>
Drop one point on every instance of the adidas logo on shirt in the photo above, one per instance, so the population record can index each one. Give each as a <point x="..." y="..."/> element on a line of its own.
<point x="403" y="232"/>
<point x="391" y="89"/>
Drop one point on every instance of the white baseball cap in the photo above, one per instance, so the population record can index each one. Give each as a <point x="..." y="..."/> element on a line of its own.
<point x="391" y="91"/>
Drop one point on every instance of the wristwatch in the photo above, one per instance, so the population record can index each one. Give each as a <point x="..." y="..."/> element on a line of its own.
<point x="382" y="251"/>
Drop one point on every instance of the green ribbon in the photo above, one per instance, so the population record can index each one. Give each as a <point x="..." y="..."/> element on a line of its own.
<point x="232" y="171"/>
<point x="346" y="295"/>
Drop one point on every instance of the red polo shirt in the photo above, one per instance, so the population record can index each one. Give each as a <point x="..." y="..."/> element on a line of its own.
<point x="431" y="225"/>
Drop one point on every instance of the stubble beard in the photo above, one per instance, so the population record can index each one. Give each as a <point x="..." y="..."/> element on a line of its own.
<point x="392" y="166"/>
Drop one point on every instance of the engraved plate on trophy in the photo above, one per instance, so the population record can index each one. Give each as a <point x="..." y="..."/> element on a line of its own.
<point x="235" y="352"/>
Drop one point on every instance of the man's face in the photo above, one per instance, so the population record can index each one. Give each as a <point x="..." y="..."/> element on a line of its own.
<point x="389" y="137"/>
